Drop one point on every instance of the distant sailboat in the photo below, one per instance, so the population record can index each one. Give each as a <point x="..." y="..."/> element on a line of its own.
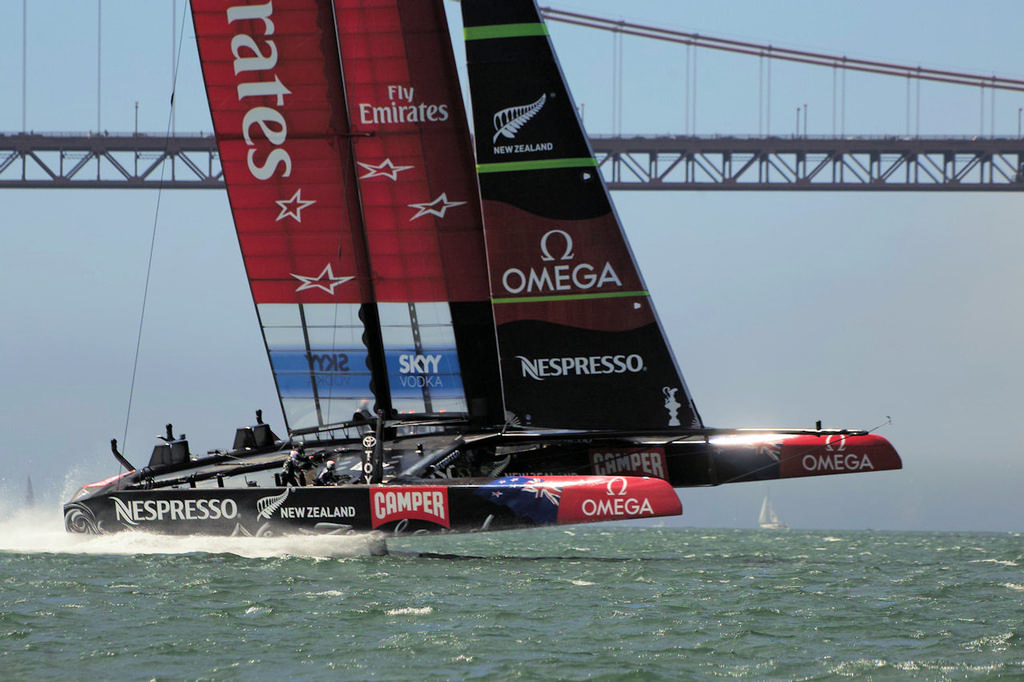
<point x="768" y="517"/>
<point x="30" y="496"/>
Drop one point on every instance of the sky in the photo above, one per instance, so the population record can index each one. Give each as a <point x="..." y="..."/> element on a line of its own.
<point x="783" y="308"/>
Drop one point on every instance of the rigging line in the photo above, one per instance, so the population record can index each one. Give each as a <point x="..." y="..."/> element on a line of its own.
<point x="152" y="240"/>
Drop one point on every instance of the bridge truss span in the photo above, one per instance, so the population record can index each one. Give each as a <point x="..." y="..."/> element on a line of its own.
<point x="807" y="163"/>
<point x="95" y="160"/>
<point x="139" y="161"/>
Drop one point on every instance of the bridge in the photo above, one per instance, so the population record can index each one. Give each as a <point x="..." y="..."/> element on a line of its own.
<point x="688" y="161"/>
<point x="140" y="161"/>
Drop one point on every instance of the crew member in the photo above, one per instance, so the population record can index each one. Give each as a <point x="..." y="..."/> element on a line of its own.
<point x="292" y="470"/>
<point x="327" y="475"/>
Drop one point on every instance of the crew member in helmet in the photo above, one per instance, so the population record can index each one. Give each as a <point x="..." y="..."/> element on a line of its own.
<point x="292" y="469"/>
<point x="327" y="475"/>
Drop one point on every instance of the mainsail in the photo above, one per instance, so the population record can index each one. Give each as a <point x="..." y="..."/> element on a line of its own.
<point x="345" y="151"/>
<point x="580" y="344"/>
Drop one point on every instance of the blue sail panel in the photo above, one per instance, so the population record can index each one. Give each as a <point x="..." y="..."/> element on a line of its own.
<point x="343" y="373"/>
<point x="321" y="364"/>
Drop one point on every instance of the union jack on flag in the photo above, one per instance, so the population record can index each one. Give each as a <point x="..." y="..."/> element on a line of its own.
<point x="772" y="450"/>
<point x="531" y="497"/>
<point x="541" y="490"/>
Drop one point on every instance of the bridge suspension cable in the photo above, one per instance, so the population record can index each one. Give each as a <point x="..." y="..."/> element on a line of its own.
<point x="782" y="53"/>
<point x="665" y="162"/>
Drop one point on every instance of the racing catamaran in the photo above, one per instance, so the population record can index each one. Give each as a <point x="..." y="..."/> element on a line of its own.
<point x="459" y="335"/>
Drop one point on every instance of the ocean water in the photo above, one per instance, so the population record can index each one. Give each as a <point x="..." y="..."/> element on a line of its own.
<point x="602" y="602"/>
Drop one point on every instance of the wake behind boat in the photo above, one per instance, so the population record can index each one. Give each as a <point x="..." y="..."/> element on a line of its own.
<point x="460" y="338"/>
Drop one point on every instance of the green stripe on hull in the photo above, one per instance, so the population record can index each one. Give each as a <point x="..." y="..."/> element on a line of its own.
<point x="504" y="31"/>
<point x="570" y="297"/>
<point x="539" y="164"/>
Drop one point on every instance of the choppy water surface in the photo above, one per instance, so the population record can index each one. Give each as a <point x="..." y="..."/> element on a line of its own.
<point x="593" y="602"/>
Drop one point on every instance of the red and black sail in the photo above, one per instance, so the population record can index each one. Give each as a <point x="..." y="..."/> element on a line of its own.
<point x="580" y="344"/>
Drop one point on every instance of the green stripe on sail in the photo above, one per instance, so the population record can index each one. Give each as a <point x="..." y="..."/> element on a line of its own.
<point x="539" y="164"/>
<point x="570" y="297"/>
<point x="504" y="31"/>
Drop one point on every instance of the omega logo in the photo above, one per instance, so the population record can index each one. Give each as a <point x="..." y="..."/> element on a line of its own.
<point x="842" y="443"/>
<point x="567" y="255"/>
<point x="562" y="277"/>
<point x="616" y="503"/>
<point x="620" y="483"/>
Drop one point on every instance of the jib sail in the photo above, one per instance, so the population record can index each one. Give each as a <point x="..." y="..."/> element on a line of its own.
<point x="580" y="344"/>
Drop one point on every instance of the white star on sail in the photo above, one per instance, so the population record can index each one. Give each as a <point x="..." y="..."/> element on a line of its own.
<point x="325" y="281"/>
<point x="292" y="208"/>
<point x="385" y="169"/>
<point x="437" y="207"/>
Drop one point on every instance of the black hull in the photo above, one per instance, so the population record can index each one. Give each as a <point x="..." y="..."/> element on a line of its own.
<point x="283" y="511"/>
<point x="395" y="509"/>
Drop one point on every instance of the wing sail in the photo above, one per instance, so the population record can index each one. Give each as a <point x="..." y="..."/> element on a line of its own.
<point x="346" y="154"/>
<point x="273" y="81"/>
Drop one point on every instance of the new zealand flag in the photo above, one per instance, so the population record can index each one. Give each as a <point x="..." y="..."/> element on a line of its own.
<point x="531" y="497"/>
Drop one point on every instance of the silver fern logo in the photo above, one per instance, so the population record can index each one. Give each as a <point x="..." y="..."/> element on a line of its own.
<point x="507" y="122"/>
<point x="266" y="506"/>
